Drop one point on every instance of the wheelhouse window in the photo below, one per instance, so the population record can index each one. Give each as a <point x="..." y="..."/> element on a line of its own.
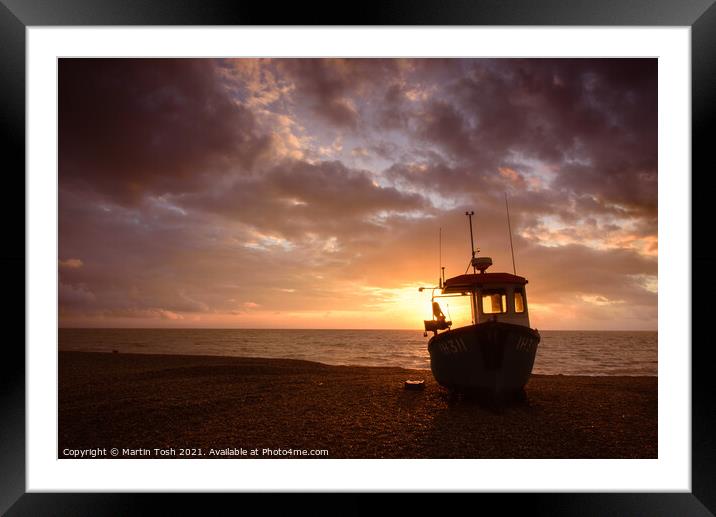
<point x="494" y="302"/>
<point x="519" y="300"/>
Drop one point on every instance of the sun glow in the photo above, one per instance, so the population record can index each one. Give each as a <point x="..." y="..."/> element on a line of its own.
<point x="457" y="309"/>
<point x="290" y="193"/>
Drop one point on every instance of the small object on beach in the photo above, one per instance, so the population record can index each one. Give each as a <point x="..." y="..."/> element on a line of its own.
<point x="115" y="351"/>
<point x="414" y="384"/>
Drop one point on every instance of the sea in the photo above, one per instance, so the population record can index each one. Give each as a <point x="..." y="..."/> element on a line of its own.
<point x="596" y="353"/>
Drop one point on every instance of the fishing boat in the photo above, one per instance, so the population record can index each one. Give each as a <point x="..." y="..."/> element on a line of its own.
<point x="496" y="352"/>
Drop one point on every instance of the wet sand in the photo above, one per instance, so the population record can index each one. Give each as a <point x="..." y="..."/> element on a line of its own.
<point x="234" y="406"/>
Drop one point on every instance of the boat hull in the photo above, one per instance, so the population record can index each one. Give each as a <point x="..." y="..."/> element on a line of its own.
<point x="493" y="356"/>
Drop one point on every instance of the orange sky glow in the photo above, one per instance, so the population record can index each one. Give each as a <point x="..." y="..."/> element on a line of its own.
<point x="310" y="193"/>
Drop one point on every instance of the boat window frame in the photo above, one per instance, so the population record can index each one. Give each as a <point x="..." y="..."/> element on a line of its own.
<point x="521" y="292"/>
<point x="503" y="300"/>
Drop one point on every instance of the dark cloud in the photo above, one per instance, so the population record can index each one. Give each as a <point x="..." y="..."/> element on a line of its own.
<point x="194" y="189"/>
<point x="131" y="126"/>
<point x="593" y="122"/>
<point x="295" y="198"/>
<point x="330" y="86"/>
<point x="394" y="114"/>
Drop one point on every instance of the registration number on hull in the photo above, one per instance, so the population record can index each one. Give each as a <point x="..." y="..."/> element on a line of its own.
<point x="457" y="345"/>
<point x="452" y="346"/>
<point x="525" y="344"/>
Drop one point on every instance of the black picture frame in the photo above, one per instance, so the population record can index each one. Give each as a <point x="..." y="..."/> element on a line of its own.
<point x="17" y="15"/>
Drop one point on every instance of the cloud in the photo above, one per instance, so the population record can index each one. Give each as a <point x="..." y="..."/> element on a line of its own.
<point x="132" y="126"/>
<point x="333" y="89"/>
<point x="138" y="313"/>
<point x="220" y="189"/>
<point x="72" y="263"/>
<point x="74" y="295"/>
<point x="296" y="199"/>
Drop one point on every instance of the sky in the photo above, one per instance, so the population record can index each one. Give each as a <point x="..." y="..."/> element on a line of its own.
<point x="311" y="193"/>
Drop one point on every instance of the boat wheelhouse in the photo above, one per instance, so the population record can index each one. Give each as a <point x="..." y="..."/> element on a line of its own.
<point x="494" y="296"/>
<point x="496" y="352"/>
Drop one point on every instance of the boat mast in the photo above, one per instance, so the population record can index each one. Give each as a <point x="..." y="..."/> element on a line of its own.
<point x="440" y="257"/>
<point x="509" y="230"/>
<point x="473" y="294"/>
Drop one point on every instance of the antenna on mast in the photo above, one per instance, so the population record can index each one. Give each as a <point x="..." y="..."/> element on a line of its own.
<point x="509" y="230"/>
